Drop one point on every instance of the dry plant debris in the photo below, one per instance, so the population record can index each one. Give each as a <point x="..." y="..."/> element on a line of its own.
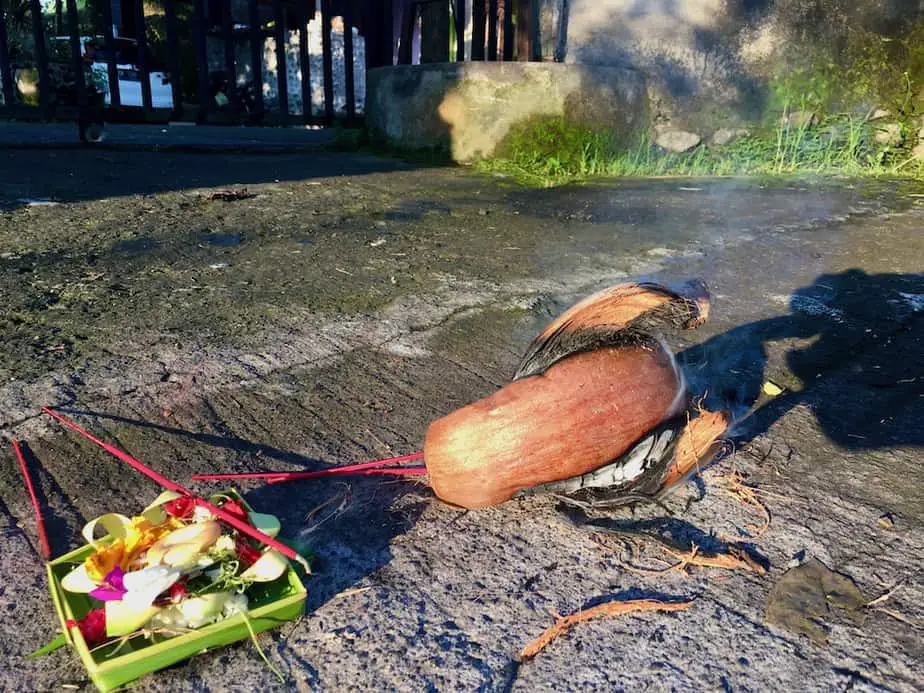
<point x="229" y="195"/>
<point x="563" y="623"/>
<point x="733" y="485"/>
<point x="735" y="558"/>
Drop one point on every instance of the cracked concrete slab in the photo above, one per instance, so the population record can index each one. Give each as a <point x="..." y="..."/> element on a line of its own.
<point x="278" y="332"/>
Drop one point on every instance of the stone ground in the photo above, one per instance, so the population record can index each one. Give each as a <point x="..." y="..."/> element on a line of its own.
<point x="352" y="300"/>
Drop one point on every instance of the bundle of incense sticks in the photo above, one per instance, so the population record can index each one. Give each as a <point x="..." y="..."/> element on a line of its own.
<point x="376" y="467"/>
<point x="223" y="515"/>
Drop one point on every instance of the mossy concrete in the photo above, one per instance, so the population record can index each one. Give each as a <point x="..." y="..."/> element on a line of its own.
<point x="468" y="109"/>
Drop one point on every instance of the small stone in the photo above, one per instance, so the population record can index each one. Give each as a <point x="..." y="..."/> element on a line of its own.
<point x="800" y="119"/>
<point x="377" y="242"/>
<point x="918" y="151"/>
<point x="886" y="521"/>
<point x="879" y="114"/>
<point x="678" y="141"/>
<point x="888" y="133"/>
<point x="724" y="136"/>
<point x="482" y="212"/>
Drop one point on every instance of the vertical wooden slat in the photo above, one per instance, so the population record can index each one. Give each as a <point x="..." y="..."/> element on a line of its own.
<point x="328" y="62"/>
<point x="41" y="57"/>
<point x="406" y="42"/>
<point x="227" y="38"/>
<point x="304" y="59"/>
<point x="349" y="83"/>
<point x="435" y="29"/>
<point x="6" y="70"/>
<point x="112" y="69"/>
<point x="478" y="26"/>
<point x="282" y="65"/>
<point x="387" y="45"/>
<point x="143" y="60"/>
<point x="460" y="9"/>
<point x="173" y="57"/>
<point x="524" y="29"/>
<point x="73" y="25"/>
<point x="202" y="60"/>
<point x="492" y="30"/>
<point x="256" y="57"/>
<point x="508" y="29"/>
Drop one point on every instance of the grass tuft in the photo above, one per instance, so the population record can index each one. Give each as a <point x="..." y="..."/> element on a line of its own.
<point x="549" y="152"/>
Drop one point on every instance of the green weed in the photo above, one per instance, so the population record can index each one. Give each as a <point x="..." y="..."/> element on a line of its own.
<point x="551" y="153"/>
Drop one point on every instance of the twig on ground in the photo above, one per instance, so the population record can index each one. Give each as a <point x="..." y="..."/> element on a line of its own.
<point x="563" y="623"/>
<point x="344" y="496"/>
<point x="884" y="597"/>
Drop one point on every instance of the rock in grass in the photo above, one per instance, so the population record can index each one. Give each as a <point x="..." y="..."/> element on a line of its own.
<point x="888" y="133"/>
<point x="918" y="151"/>
<point x="800" y="119"/>
<point x="678" y="141"/>
<point x="880" y="114"/>
<point x="725" y="136"/>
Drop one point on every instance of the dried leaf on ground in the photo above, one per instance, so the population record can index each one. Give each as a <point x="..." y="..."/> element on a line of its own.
<point x="802" y="599"/>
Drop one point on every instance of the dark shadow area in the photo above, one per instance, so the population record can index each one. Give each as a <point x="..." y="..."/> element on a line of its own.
<point x="860" y="367"/>
<point x="232" y="443"/>
<point x="668" y="531"/>
<point x="58" y="513"/>
<point x="81" y="174"/>
<point x="348" y="525"/>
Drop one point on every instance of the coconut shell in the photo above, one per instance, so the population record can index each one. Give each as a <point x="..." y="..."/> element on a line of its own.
<point x="581" y="413"/>
<point x="620" y="315"/>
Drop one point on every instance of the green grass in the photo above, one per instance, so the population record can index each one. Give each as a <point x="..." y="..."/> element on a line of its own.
<point x="549" y="152"/>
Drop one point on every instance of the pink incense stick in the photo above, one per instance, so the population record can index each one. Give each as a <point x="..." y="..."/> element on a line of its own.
<point x="279" y="477"/>
<point x="39" y="520"/>
<point x="271" y="477"/>
<point x="239" y="525"/>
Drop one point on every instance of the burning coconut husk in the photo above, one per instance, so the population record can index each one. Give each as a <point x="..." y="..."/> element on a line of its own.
<point x="598" y="411"/>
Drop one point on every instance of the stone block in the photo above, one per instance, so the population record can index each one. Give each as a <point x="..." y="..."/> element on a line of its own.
<point x="468" y="109"/>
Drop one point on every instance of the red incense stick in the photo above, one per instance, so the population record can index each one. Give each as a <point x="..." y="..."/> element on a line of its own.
<point x="239" y="525"/>
<point x="279" y="477"/>
<point x="39" y="520"/>
<point x="333" y="471"/>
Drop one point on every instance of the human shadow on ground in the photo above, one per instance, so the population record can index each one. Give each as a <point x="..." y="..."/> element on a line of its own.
<point x="857" y="362"/>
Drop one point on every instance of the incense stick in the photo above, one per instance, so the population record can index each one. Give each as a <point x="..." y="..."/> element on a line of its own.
<point x="241" y="526"/>
<point x="39" y="520"/>
<point x="279" y="477"/>
<point x="332" y="471"/>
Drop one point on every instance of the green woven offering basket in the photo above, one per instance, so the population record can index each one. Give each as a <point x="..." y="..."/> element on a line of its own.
<point x="113" y="665"/>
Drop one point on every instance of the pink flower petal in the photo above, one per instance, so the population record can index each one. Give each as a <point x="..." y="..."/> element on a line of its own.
<point x="107" y="594"/>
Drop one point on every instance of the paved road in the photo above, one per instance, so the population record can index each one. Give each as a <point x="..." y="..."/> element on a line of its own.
<point x="170" y="137"/>
<point x="350" y="301"/>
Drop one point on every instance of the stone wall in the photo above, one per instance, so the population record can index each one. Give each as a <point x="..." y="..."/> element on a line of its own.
<point x="717" y="52"/>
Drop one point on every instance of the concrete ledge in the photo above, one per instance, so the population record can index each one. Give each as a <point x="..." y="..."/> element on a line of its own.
<point x="466" y="109"/>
